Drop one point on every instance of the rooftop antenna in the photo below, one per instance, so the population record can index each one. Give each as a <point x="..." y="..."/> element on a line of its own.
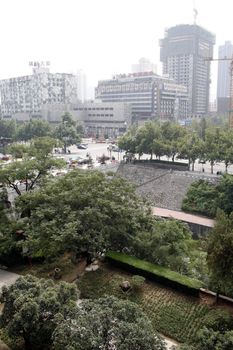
<point x="195" y="13"/>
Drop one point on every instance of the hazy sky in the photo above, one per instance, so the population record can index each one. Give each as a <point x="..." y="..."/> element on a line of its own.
<point x="102" y="37"/>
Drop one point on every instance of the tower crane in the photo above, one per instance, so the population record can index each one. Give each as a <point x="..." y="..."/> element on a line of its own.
<point x="231" y="85"/>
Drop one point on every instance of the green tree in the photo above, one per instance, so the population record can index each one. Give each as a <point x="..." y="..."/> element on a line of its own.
<point x="172" y="134"/>
<point x="32" y="129"/>
<point x="202" y="197"/>
<point x="82" y="212"/>
<point x="220" y="254"/>
<point x="31" y="306"/>
<point x="212" y="146"/>
<point x="128" y="141"/>
<point x="226" y="147"/>
<point x="191" y="148"/>
<point x="36" y="162"/>
<point x="7" y="129"/>
<point x="66" y="131"/>
<point x="147" y="135"/>
<point x="8" y="228"/>
<point x="168" y="244"/>
<point x="106" y="323"/>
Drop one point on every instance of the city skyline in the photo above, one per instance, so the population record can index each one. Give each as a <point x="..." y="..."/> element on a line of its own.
<point x="102" y="38"/>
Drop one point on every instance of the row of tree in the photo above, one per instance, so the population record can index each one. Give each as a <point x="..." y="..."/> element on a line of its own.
<point x="174" y="141"/>
<point x="67" y="131"/>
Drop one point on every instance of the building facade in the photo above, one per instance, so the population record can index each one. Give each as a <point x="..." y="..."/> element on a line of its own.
<point x="111" y="119"/>
<point x="28" y="94"/>
<point x="150" y="95"/>
<point x="183" y="52"/>
<point x="223" y="87"/>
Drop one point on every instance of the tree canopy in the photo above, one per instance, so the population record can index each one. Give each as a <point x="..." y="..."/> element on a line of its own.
<point x="106" y="323"/>
<point x="24" y="174"/>
<point x="83" y="212"/>
<point x="205" y="198"/>
<point x="220" y="254"/>
<point x="210" y="143"/>
<point x="67" y="131"/>
<point x="31" y="306"/>
<point x="32" y="129"/>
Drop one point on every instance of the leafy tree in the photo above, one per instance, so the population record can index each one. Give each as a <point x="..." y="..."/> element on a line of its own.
<point x="31" y="306"/>
<point x="212" y="146"/>
<point x="128" y="141"/>
<point x="220" y="256"/>
<point x="66" y="131"/>
<point x="225" y="191"/>
<point x="226" y="147"/>
<point x="167" y="244"/>
<point x="82" y="212"/>
<point x="36" y="162"/>
<point x="191" y="148"/>
<point x="208" y="339"/>
<point x="202" y="197"/>
<point x="8" y="227"/>
<point x="7" y="129"/>
<point x="80" y="128"/>
<point x="148" y="134"/>
<point x="172" y="134"/>
<point x="32" y="129"/>
<point x="106" y="323"/>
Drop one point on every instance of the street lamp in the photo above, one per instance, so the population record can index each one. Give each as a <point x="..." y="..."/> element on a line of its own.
<point x="110" y="150"/>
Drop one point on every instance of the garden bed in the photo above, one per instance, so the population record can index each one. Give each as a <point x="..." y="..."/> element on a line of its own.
<point x="172" y="313"/>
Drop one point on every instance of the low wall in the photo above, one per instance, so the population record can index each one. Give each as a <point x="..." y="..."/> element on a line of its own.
<point x="222" y="299"/>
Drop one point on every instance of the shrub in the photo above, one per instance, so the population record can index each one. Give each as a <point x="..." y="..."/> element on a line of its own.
<point x="137" y="281"/>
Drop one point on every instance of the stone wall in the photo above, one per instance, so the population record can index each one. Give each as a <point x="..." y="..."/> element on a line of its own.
<point x="163" y="188"/>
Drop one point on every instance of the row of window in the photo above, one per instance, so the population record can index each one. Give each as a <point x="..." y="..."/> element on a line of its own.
<point x="93" y="109"/>
<point x="100" y="115"/>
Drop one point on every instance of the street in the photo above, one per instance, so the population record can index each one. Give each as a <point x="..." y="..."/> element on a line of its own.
<point x="98" y="149"/>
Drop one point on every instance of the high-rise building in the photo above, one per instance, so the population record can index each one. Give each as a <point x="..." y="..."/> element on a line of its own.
<point x="144" y="65"/>
<point x="81" y="85"/>
<point x="223" y="89"/>
<point x="28" y="94"/>
<point x="183" y="52"/>
<point x="150" y="95"/>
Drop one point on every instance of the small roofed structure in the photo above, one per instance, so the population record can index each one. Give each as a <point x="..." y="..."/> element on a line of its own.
<point x="198" y="224"/>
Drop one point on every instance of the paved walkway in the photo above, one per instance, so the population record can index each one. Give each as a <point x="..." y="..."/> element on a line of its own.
<point x="180" y="215"/>
<point x="7" y="278"/>
<point x="169" y="342"/>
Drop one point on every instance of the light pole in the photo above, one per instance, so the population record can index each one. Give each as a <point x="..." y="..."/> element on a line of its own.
<point x="110" y="151"/>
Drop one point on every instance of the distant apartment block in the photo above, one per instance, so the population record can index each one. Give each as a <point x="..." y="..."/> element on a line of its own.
<point x="183" y="53"/>
<point x="223" y="88"/>
<point x="150" y="95"/>
<point x="28" y="94"/>
<point x="144" y="65"/>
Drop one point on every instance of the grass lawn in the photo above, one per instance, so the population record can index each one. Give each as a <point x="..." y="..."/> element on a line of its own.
<point x="172" y="313"/>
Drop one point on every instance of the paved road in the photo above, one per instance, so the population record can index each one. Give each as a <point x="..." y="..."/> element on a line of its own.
<point x="98" y="149"/>
<point x="7" y="278"/>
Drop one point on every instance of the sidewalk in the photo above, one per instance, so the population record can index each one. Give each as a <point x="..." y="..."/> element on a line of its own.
<point x="7" y="278"/>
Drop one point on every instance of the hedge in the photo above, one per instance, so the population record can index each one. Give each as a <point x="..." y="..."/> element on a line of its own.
<point x="158" y="273"/>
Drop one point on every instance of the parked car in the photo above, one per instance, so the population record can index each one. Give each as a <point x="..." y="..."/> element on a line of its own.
<point x="81" y="146"/>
